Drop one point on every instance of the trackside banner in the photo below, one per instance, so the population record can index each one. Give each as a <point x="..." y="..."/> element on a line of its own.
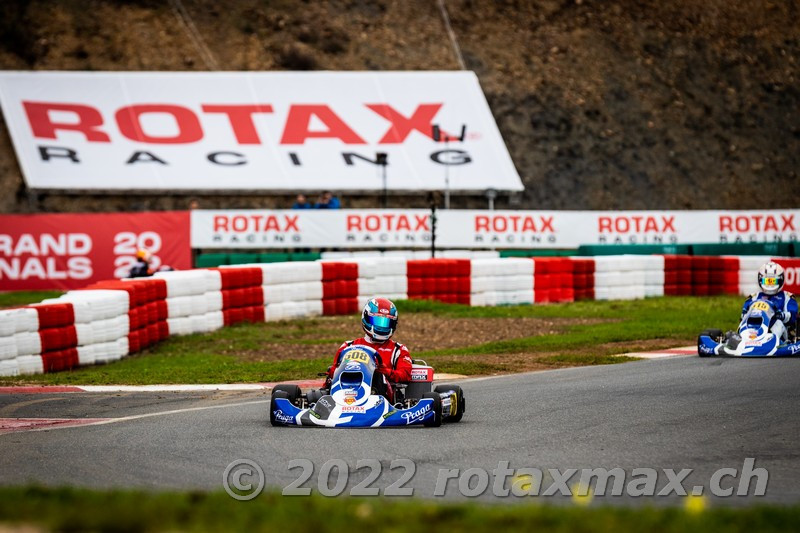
<point x="272" y="131"/>
<point x="365" y="228"/>
<point x="311" y="228"/>
<point x="70" y="251"/>
<point x="791" y="269"/>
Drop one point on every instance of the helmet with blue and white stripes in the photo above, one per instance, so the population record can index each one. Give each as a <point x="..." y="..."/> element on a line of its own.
<point x="379" y="319"/>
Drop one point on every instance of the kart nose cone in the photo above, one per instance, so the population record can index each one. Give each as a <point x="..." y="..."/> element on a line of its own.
<point x="351" y="379"/>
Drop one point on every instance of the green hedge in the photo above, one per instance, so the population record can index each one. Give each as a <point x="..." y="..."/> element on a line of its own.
<point x="536" y="253"/>
<point x="640" y="249"/>
<point x="211" y="260"/>
<point x="215" y="259"/>
<point x="747" y="248"/>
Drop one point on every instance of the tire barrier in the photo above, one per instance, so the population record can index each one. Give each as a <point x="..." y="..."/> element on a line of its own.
<point x="501" y="282"/>
<point x="385" y="276"/>
<point x="291" y="290"/>
<point x="111" y="319"/>
<point x="147" y="319"/>
<point x="339" y="288"/>
<point x="443" y="280"/>
<point x="194" y="301"/>
<point x="242" y="294"/>
<point x="583" y="278"/>
<point x="699" y="275"/>
<point x="553" y="280"/>
<point x="628" y="277"/>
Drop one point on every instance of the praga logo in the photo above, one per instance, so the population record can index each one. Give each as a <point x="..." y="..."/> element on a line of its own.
<point x="416" y="415"/>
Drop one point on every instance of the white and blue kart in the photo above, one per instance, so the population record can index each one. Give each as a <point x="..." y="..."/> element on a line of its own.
<point x="759" y="334"/>
<point x="351" y="400"/>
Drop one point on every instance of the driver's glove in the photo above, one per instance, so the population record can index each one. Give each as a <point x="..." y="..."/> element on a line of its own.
<point x="780" y="315"/>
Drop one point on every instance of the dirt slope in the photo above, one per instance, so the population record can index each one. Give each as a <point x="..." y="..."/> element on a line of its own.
<point x="617" y="104"/>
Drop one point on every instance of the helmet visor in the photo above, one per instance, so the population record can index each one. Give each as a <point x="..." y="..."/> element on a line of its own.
<point x="380" y="322"/>
<point x="769" y="282"/>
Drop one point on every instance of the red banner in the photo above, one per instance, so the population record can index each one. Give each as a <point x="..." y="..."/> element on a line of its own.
<point x="791" y="269"/>
<point x="69" y="251"/>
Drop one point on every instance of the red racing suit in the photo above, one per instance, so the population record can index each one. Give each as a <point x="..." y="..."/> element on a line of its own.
<point x="394" y="362"/>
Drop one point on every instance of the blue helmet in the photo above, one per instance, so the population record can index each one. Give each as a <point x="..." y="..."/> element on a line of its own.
<point x="379" y="319"/>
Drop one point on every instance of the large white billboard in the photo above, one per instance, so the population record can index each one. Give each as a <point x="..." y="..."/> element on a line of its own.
<point x="265" y="131"/>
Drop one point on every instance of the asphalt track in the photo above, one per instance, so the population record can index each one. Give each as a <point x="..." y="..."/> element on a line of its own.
<point x="683" y="412"/>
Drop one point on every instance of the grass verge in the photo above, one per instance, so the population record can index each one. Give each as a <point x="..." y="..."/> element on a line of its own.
<point x="615" y="327"/>
<point x="17" y="298"/>
<point x="90" y="510"/>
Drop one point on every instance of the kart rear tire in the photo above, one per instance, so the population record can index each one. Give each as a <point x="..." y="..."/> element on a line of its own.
<point x="436" y="420"/>
<point x="292" y="391"/>
<point x="272" y="406"/>
<point x="461" y="403"/>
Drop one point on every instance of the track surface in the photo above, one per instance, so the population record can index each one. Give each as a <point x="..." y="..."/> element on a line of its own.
<point x="684" y="412"/>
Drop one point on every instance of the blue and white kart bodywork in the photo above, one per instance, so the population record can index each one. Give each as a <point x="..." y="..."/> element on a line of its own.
<point x="759" y="334"/>
<point x="351" y="402"/>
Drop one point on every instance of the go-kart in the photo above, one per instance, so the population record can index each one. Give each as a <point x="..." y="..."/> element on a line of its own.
<point x="353" y="400"/>
<point x="760" y="334"/>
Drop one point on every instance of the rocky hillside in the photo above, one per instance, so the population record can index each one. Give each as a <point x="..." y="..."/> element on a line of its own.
<point x="604" y="104"/>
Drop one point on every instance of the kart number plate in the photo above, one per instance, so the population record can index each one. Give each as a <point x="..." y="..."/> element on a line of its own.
<point x="761" y="306"/>
<point x="358" y="355"/>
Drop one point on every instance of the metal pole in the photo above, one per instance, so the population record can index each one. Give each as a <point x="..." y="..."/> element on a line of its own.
<point x="491" y="194"/>
<point x="382" y="159"/>
<point x="385" y="194"/>
<point x="433" y="227"/>
<point x="446" y="176"/>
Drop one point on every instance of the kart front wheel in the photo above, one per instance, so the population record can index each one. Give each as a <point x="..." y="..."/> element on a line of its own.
<point x="436" y="420"/>
<point x="292" y="392"/>
<point x="715" y="334"/>
<point x="273" y="406"/>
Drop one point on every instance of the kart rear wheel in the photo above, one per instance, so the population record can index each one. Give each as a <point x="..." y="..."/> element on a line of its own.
<point x="461" y="403"/>
<point x="273" y="407"/>
<point x="436" y="420"/>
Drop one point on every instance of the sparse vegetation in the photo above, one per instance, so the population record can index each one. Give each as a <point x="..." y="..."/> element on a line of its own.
<point x="35" y="508"/>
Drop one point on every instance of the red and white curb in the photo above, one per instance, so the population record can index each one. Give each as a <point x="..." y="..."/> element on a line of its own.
<point x="662" y="354"/>
<point x="10" y="425"/>
<point x="14" y="425"/>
